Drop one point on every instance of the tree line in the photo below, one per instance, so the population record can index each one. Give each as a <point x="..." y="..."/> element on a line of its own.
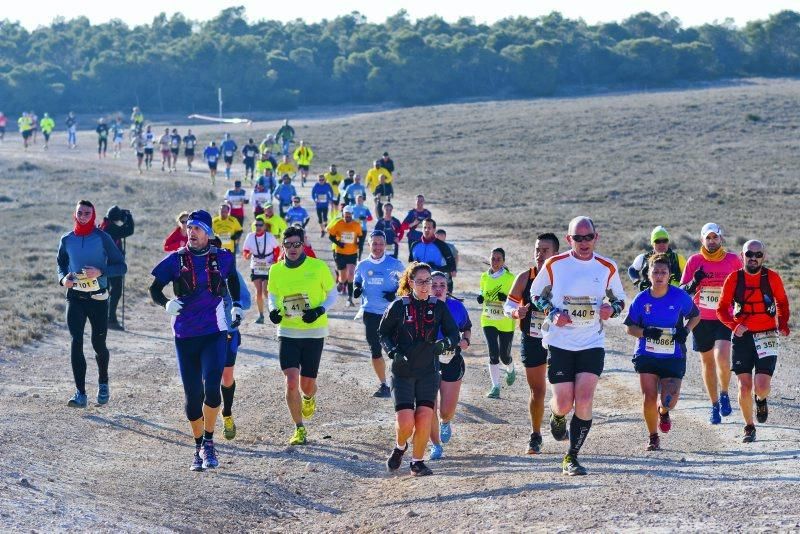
<point x="176" y="65"/>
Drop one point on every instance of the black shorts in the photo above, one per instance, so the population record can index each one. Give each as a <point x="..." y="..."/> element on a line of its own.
<point x="533" y="354"/>
<point x="707" y="332"/>
<point x="254" y="276"/>
<point x="454" y="370"/>
<point x="744" y="358"/>
<point x="371" y="323"/>
<point x="663" y="367"/>
<point x="46" y="136"/>
<point x="139" y="154"/>
<point x="249" y="164"/>
<point x="148" y="151"/>
<point x="27" y="133"/>
<point x="322" y="214"/>
<point x="301" y="353"/>
<point x="234" y="342"/>
<point x="188" y="152"/>
<point x="212" y="166"/>
<point x="174" y="151"/>
<point x="563" y="365"/>
<point x="303" y="167"/>
<point x="336" y="200"/>
<point x="343" y="260"/>
<point x="409" y="393"/>
<point x="228" y="160"/>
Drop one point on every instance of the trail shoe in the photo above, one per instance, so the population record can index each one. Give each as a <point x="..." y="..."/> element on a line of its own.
<point x="299" y="437"/>
<point x="228" y="427"/>
<point x="571" y="467"/>
<point x="445" y="431"/>
<point x="436" y="452"/>
<point x="558" y="427"/>
<point x="309" y="407"/>
<point x="535" y="443"/>
<point x="724" y="405"/>
<point x="511" y="377"/>
<point x="394" y="460"/>
<point x="197" y="463"/>
<point x="664" y="422"/>
<point x="103" y="394"/>
<point x="715" y="418"/>
<point x="383" y="392"/>
<point x="655" y="443"/>
<point x="78" y="400"/>
<point x="260" y="319"/>
<point x="762" y="412"/>
<point x="749" y="434"/>
<point x="209" y="455"/>
<point x="419" y="469"/>
<point x="493" y="393"/>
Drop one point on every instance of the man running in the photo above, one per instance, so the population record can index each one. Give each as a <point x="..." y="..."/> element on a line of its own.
<point x="211" y="156"/>
<point x="117" y="136"/>
<point x="387" y="162"/>
<point x="285" y="192"/>
<point x="259" y="198"/>
<point x="285" y="136"/>
<point x="227" y="228"/>
<point x="322" y="193"/>
<point x="284" y="167"/>
<point x="413" y="220"/>
<point x="362" y="214"/>
<point x="344" y="234"/>
<point x="571" y="289"/>
<point x="297" y="214"/>
<point x="703" y="277"/>
<point x="138" y="143"/>
<point x="382" y="194"/>
<point x="349" y="178"/>
<point x="228" y="147"/>
<point x="72" y="130"/>
<point x="189" y="142"/>
<point x="531" y="321"/>
<point x="149" y="147"/>
<point x="354" y="190"/>
<point x="334" y="179"/>
<point x="301" y="290"/>
<point x="47" y="124"/>
<point x="137" y="119"/>
<point x="261" y="249"/>
<point x="163" y="146"/>
<point x="391" y="227"/>
<point x="303" y="155"/>
<point x="434" y="252"/>
<point x="237" y="198"/>
<point x="659" y="238"/>
<point x="102" y="137"/>
<point x="373" y="177"/>
<point x="25" y="125"/>
<point x="174" y="148"/>
<point x="234" y="341"/>
<point x="276" y="225"/>
<point x="249" y="153"/>
<point x="760" y="312"/>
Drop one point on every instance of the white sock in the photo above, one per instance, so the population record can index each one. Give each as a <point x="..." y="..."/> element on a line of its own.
<point x="510" y="367"/>
<point x="415" y="460"/>
<point x="494" y="372"/>
<point x="400" y="447"/>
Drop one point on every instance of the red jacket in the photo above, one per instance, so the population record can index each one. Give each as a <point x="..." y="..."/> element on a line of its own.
<point x="175" y="240"/>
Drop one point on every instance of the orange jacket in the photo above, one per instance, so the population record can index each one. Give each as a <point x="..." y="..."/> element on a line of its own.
<point x="756" y="320"/>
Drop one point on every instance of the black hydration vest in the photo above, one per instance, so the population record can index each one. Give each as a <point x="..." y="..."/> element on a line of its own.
<point x="186" y="283"/>
<point x="741" y="306"/>
<point x="674" y="269"/>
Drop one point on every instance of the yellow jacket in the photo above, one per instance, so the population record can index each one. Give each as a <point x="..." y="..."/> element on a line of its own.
<point x="225" y="229"/>
<point x="372" y="179"/>
<point x="276" y="225"/>
<point x="303" y="155"/>
<point x="47" y="124"/>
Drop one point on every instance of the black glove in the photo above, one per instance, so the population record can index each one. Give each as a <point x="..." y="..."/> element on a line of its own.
<point x="397" y="354"/>
<point x="680" y="335"/>
<point x="480" y="299"/>
<point x="338" y="243"/>
<point x="441" y="346"/>
<point x="700" y="275"/>
<point x="275" y="316"/>
<point x="357" y="290"/>
<point x="362" y="218"/>
<point x="502" y="297"/>
<point x="312" y="314"/>
<point x="652" y="333"/>
<point x="389" y="295"/>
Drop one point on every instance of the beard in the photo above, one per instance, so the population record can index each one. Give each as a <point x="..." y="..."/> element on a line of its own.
<point x="753" y="270"/>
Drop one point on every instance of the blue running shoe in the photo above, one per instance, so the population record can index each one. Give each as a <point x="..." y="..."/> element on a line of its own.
<point x="78" y="400"/>
<point x="197" y="463"/>
<point x="103" y="394"/>
<point x="445" y="431"/>
<point x="436" y="452"/>
<point x="724" y="404"/>
<point x="209" y="455"/>
<point x="715" y="418"/>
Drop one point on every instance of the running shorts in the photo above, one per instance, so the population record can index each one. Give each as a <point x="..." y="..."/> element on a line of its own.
<point x="533" y="354"/>
<point x="301" y="353"/>
<point x="563" y="365"/>
<point x="409" y="393"/>
<point x="343" y="260"/>
<point x="707" y="332"/>
<point x="663" y="367"/>
<point x="745" y="359"/>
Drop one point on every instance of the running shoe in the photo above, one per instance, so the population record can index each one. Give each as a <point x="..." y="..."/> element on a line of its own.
<point x="535" y="443"/>
<point x="78" y="400"/>
<point x="511" y="376"/>
<point x="664" y="422"/>
<point x="558" y="427"/>
<point x="209" y="455"/>
<point x="445" y="431"/>
<point x="197" y="463"/>
<point x="715" y="418"/>
<point x="436" y="452"/>
<point x="260" y="320"/>
<point x="493" y="393"/>
<point x="114" y="325"/>
<point x="571" y="467"/>
<point x="749" y="434"/>
<point x="724" y="405"/>
<point x="655" y="443"/>
<point x="419" y="469"/>
<point x="299" y="437"/>
<point x="228" y="427"/>
<point x="309" y="406"/>
<point x="103" y="394"/>
<point x="322" y="233"/>
<point x="383" y="392"/>
<point x="394" y="460"/>
<point x="762" y="412"/>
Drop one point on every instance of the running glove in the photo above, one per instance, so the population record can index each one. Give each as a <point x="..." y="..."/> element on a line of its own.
<point x="441" y="346"/>
<point x="502" y="297"/>
<point x="389" y="295"/>
<point x="652" y="333"/>
<point x="680" y="335"/>
<point x="275" y="316"/>
<point x="480" y="299"/>
<point x="173" y="307"/>
<point x="699" y="275"/>
<point x="357" y="290"/>
<point x="397" y="354"/>
<point x="237" y="315"/>
<point x="312" y="314"/>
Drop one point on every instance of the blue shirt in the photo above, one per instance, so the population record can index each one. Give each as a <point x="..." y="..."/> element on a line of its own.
<point x="318" y="191"/>
<point x="428" y="253"/>
<point x="354" y="191"/>
<point x="228" y="147"/>
<point x="377" y="277"/>
<point x="666" y="312"/>
<point x="211" y="153"/>
<point x="389" y="228"/>
<point x="414" y="215"/>
<point x="296" y="214"/>
<point x="95" y="250"/>
<point x="361" y="213"/>
<point x="284" y="193"/>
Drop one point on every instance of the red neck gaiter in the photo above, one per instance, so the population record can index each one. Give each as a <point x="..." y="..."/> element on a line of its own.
<point x="82" y="230"/>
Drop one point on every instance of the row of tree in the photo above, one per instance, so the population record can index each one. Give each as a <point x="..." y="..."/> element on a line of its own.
<point x="175" y="64"/>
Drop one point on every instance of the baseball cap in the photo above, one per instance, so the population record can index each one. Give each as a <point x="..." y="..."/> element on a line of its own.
<point x="348" y="209"/>
<point x="709" y="228"/>
<point x="659" y="232"/>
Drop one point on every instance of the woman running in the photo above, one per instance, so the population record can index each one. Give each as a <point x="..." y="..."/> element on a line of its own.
<point x="177" y="239"/>
<point x="497" y="328"/>
<point x="261" y="248"/>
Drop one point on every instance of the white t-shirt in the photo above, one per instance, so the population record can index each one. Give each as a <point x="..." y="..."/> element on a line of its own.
<point x="578" y="287"/>
<point x="260" y="198"/>
<point x="235" y="199"/>
<point x="260" y="246"/>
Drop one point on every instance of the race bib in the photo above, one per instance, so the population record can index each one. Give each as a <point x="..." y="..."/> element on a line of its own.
<point x="321" y="199"/>
<point x="537" y="324"/>
<point x="348" y="238"/>
<point x="86" y="284"/>
<point x="259" y="266"/>
<point x="384" y="199"/>
<point x="663" y="345"/>
<point x="582" y="310"/>
<point x="226" y="239"/>
<point x="236" y="204"/>
<point x="296" y="304"/>
<point x="493" y="310"/>
<point x="228" y="154"/>
<point x="767" y="344"/>
<point x="709" y="298"/>
<point x="212" y="159"/>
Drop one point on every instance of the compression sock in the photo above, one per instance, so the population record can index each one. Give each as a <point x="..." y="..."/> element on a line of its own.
<point x="208" y="436"/>
<point x="299" y="425"/>
<point x="494" y="373"/>
<point x="350" y="289"/>
<point x="578" y="429"/>
<point x="198" y="442"/>
<point x="227" y="399"/>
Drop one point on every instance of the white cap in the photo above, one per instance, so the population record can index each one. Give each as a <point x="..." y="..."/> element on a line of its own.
<point x="348" y="209"/>
<point x="709" y="228"/>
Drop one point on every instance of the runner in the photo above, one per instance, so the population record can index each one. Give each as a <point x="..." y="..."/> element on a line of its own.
<point x="264" y="167"/>
<point x="249" y="153"/>
<point x="262" y="250"/>
<point x="25" y="125"/>
<point x="413" y="219"/>
<point x="660" y="318"/>
<point x="354" y="190"/>
<point x="3" y="126"/>
<point x="758" y="296"/>
<point x="228" y="229"/>
<point x="349" y="179"/>
<point x="149" y="147"/>
<point x="72" y="130"/>
<point x="285" y="167"/>
<point x="233" y="342"/>
<point x="571" y="289"/>
<point x="285" y="192"/>
<point x="164" y="143"/>
<point x="409" y="334"/>
<point x="703" y="277"/>
<point x="303" y="155"/>
<point x="87" y="256"/>
<point x="174" y="148"/>
<point x="198" y="273"/>
<point x="138" y="143"/>
<point x="117" y="136"/>
<point x="345" y="234"/>
<point x="322" y="193"/>
<point x="387" y="162"/>
<point x="498" y="330"/>
<point x="659" y="238"/>
<point x="259" y="198"/>
<point x="362" y="214"/>
<point x="211" y="155"/>
<point x="228" y="147"/>
<point x="102" y="137"/>
<point x="434" y="252"/>
<point x="452" y="371"/>
<point x="532" y="354"/>
<point x="285" y="136"/>
<point x="275" y="224"/>
<point x="137" y="120"/>
<point x="178" y="238"/>
<point x="118" y="223"/>
<point x="301" y="289"/>
<point x="47" y="125"/>
<point x="334" y="179"/>
<point x="189" y="142"/>
<point x="269" y="145"/>
<point x="375" y="283"/>
<point x="382" y="194"/>
<point x="374" y="176"/>
<point x="237" y="198"/>
<point x="297" y="214"/>
<point x="441" y="235"/>
<point x="34" y="125"/>
<point x="391" y="228"/>
<point x="267" y="179"/>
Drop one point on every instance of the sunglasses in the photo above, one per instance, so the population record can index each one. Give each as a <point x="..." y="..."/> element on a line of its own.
<point x="426" y="282"/>
<point x="582" y="238"/>
<point x="184" y="221"/>
<point x="751" y="254"/>
<point x="661" y="241"/>
<point x="259" y="224"/>
<point x="294" y="244"/>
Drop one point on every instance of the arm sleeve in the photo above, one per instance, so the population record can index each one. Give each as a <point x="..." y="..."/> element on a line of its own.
<point x="358" y="279"/>
<point x="389" y="324"/>
<point x="272" y="303"/>
<point x="116" y="261"/>
<point x="726" y="301"/>
<point x="157" y="292"/>
<point x="233" y="285"/>
<point x="541" y="281"/>
<point x="615" y="285"/>
<point x="330" y="299"/>
<point x="62" y="259"/>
